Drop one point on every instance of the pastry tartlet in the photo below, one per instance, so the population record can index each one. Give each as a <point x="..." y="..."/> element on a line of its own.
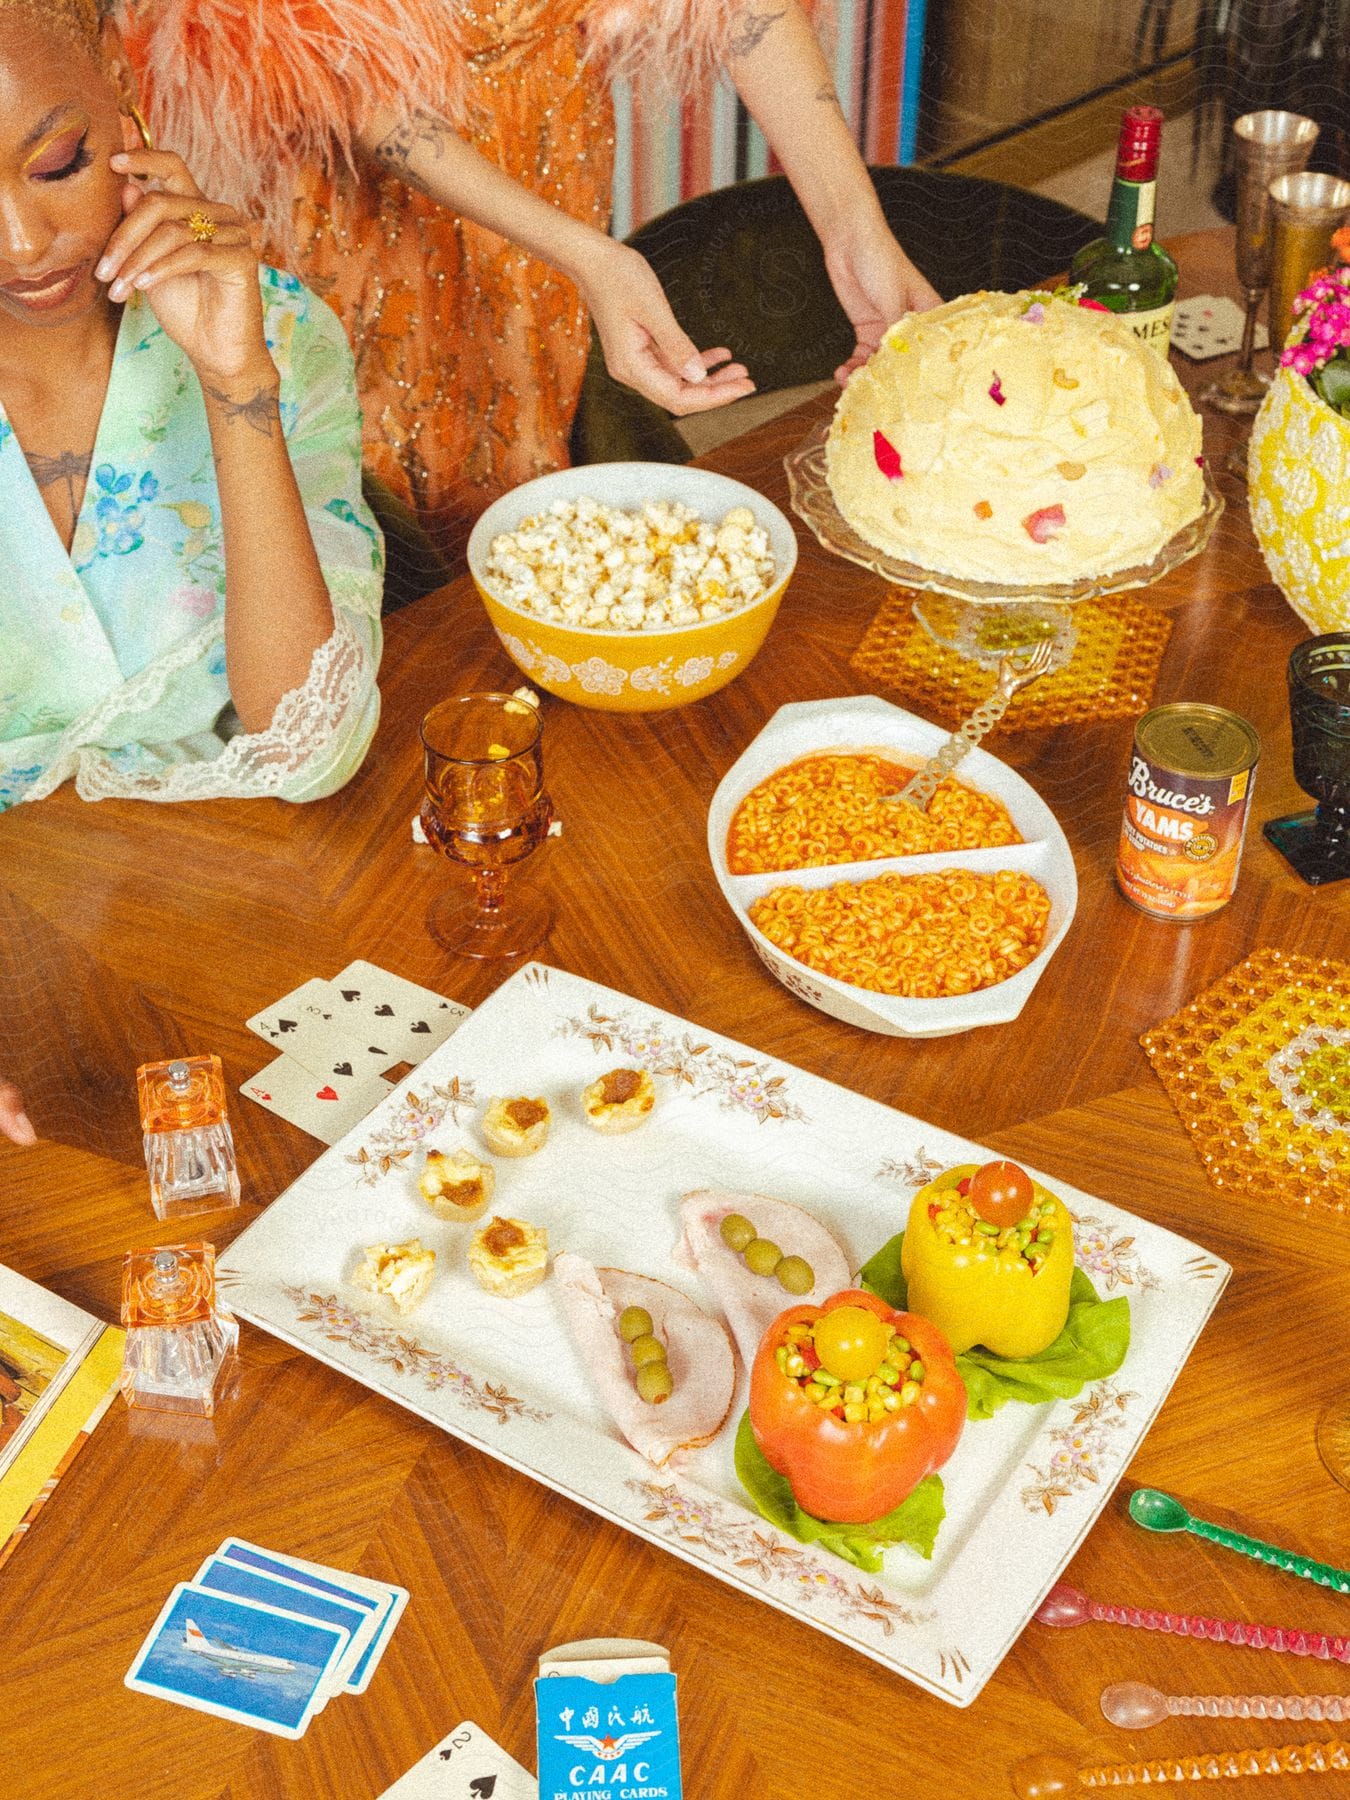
<point x="620" y="1100"/>
<point x="400" y="1273"/>
<point x="508" y="1257"/>
<point x="517" y="1126"/>
<point x="457" y="1185"/>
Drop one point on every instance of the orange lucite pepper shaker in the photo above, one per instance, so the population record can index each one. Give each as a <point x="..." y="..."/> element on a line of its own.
<point x="189" y="1148"/>
<point x="178" y="1342"/>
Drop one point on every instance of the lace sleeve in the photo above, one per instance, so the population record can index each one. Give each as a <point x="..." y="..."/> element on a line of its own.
<point x="322" y="729"/>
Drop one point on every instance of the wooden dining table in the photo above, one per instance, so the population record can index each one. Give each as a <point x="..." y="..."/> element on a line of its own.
<point x="132" y="932"/>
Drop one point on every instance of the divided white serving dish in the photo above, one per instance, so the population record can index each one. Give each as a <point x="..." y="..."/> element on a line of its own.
<point x="866" y="723"/>
<point x="1022" y="1489"/>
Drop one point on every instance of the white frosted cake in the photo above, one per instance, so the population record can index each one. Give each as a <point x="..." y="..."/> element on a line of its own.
<point x="1009" y="438"/>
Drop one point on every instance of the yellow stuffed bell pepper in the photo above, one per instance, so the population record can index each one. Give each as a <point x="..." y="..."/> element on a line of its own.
<point x="988" y="1256"/>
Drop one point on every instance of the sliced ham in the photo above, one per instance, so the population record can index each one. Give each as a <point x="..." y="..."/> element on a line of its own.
<point x="698" y="1354"/>
<point x="752" y="1302"/>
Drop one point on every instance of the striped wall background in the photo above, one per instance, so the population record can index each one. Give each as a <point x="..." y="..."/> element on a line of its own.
<point x="664" y="155"/>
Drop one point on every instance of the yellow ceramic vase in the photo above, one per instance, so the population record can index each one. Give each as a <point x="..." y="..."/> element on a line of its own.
<point x="1299" y="476"/>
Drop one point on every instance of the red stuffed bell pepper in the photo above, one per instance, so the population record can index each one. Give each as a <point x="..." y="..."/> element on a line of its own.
<point x="854" y="1403"/>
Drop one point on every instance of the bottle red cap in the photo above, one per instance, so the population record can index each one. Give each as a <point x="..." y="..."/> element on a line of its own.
<point x="1140" y="138"/>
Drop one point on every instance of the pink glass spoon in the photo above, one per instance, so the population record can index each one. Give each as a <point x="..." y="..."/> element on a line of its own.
<point x="1134" y="1706"/>
<point x="1065" y="1605"/>
<point x="1046" y="1777"/>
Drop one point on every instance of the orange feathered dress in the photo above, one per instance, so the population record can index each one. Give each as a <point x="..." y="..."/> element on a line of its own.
<point x="469" y="353"/>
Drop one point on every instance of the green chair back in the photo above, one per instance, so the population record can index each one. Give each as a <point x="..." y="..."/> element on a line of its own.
<point x="742" y="267"/>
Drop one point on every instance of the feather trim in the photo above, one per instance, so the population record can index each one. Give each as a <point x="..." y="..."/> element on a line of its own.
<point x="252" y="92"/>
<point x="675" y="46"/>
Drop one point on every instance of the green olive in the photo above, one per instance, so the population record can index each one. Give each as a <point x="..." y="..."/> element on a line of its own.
<point x="646" y="1349"/>
<point x="654" y="1383"/>
<point x="634" y="1322"/>
<point x="762" y="1257"/>
<point x="796" y="1274"/>
<point x="737" y="1232"/>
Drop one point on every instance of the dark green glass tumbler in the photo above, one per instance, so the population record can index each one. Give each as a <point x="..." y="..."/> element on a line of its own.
<point x="1317" y="844"/>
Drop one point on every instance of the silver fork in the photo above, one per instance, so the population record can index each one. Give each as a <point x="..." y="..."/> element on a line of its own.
<point x="1017" y="670"/>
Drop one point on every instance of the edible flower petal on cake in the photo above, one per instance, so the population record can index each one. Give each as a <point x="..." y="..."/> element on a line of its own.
<point x="981" y="413"/>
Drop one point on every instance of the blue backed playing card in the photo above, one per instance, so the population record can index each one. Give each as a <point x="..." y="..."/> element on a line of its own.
<point x="225" y="1577"/>
<point x="607" y="1737"/>
<point x="238" y="1660"/>
<point x="385" y="1600"/>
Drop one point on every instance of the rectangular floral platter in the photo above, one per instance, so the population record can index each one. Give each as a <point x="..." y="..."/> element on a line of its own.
<point x="1022" y="1489"/>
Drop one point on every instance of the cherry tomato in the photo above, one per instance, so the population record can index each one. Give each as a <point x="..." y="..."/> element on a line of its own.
<point x="851" y="1342"/>
<point x="1001" y="1193"/>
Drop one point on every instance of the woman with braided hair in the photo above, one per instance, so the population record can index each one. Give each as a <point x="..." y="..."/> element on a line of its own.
<point x="192" y="581"/>
<point x="441" y="171"/>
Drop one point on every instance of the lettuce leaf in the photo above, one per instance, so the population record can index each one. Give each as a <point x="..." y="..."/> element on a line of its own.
<point x="914" y="1522"/>
<point x="1093" y="1343"/>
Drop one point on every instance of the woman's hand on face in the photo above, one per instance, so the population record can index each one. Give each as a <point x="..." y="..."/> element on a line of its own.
<point x="876" y="284"/>
<point x="644" y="346"/>
<point x="14" y="1121"/>
<point x="204" y="294"/>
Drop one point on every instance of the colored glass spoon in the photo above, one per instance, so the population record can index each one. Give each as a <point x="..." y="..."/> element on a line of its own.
<point x="1046" y="1777"/>
<point x="1065" y="1605"/>
<point x="1157" y="1511"/>
<point x="1134" y="1706"/>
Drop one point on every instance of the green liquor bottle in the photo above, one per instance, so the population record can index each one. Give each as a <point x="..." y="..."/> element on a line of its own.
<point x="1125" y="271"/>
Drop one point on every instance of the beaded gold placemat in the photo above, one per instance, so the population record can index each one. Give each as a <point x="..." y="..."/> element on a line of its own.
<point x="1258" y="1067"/>
<point x="1110" y="675"/>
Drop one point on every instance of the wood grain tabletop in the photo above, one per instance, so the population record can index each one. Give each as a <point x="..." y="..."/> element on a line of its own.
<point x="132" y="932"/>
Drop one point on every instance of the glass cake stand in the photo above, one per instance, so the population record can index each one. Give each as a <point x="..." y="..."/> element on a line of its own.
<point x="981" y="621"/>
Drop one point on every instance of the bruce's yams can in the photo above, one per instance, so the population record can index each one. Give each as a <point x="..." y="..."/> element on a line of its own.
<point x="1186" y="803"/>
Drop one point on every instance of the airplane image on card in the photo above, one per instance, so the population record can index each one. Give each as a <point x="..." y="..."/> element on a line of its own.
<point x="232" y="1660"/>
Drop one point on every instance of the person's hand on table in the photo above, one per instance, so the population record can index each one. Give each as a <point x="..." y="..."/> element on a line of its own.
<point x="14" y="1121"/>
<point x="644" y="346"/>
<point x="876" y="284"/>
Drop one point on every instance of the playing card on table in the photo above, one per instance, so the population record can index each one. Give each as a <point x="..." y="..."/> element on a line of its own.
<point x="1210" y="325"/>
<point x="365" y="1017"/>
<point x="254" y="1664"/>
<point x="382" y="1599"/>
<point x="325" y="1105"/>
<point x="466" y="1765"/>
<point x="224" y="1576"/>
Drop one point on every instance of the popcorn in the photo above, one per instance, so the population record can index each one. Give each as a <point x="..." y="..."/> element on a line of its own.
<point x="588" y="564"/>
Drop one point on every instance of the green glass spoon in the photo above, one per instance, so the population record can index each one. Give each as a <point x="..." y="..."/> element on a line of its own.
<point x="1157" y="1511"/>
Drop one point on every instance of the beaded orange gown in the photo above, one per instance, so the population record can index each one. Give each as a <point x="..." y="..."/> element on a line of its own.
<point x="469" y="352"/>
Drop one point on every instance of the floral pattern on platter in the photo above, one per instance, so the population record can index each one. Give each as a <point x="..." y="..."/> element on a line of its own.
<point x="914" y="1172"/>
<point x="1078" y="1449"/>
<point x="738" y="1084"/>
<point x="343" y="1324"/>
<point x="1101" y="1250"/>
<point x="416" y="1118"/>
<point x="768" y="1557"/>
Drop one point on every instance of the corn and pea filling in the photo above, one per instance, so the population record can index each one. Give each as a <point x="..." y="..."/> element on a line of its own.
<point x="896" y="1383"/>
<point x="1030" y="1241"/>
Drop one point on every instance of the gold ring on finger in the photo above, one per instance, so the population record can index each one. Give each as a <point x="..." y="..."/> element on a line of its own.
<point x="201" y="229"/>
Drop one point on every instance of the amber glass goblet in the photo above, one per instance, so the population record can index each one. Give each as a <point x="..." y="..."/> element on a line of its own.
<point x="1317" y="844"/>
<point x="486" y="808"/>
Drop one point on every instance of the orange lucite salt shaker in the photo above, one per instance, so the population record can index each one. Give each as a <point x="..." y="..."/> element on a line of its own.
<point x="178" y="1341"/>
<point x="189" y="1148"/>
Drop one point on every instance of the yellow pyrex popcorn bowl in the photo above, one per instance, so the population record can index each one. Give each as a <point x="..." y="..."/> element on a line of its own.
<point x="633" y="671"/>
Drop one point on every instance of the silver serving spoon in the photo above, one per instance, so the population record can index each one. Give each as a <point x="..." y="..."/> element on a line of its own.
<point x="1018" y="669"/>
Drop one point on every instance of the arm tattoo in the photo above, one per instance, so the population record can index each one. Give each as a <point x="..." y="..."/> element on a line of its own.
<point x="749" y="30"/>
<point x="260" y="411"/>
<point x="422" y="131"/>
<point x="827" y="97"/>
<point x="70" y="466"/>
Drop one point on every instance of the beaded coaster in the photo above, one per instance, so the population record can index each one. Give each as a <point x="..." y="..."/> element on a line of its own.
<point x="1110" y="674"/>
<point x="1258" y="1067"/>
